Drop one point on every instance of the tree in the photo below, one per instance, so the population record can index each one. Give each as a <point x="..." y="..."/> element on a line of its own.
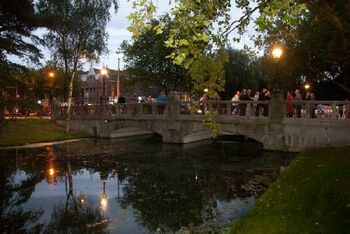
<point x="147" y="59"/>
<point x="297" y="24"/>
<point x="77" y="32"/>
<point x="238" y="72"/>
<point x="318" y="47"/>
<point x="17" y="22"/>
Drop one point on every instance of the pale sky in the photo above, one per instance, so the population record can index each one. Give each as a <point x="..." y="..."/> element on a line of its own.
<point x="117" y="30"/>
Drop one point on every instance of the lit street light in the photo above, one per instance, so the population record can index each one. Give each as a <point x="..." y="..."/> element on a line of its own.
<point x="307" y="86"/>
<point x="104" y="75"/>
<point x="277" y="52"/>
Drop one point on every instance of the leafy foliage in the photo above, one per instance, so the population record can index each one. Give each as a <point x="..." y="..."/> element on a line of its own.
<point x="314" y="33"/>
<point x="314" y="36"/>
<point x="148" y="61"/>
<point x="17" y="21"/>
<point x="77" y="32"/>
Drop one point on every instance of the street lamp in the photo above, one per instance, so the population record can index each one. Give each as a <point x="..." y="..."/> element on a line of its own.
<point x="104" y="74"/>
<point x="118" y="82"/>
<point x="277" y="52"/>
<point x="307" y="86"/>
<point x="51" y="74"/>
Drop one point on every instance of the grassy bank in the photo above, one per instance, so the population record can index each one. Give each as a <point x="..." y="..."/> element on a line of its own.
<point x="311" y="196"/>
<point x="22" y="131"/>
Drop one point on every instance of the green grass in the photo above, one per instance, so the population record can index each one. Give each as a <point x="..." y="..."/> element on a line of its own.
<point x="311" y="196"/>
<point x="22" y="131"/>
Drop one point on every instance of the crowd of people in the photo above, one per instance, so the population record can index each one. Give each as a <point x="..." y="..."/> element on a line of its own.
<point x="246" y="95"/>
<point x="295" y="106"/>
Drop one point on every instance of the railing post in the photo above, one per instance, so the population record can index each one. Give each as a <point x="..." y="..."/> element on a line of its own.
<point x="334" y="110"/>
<point x="277" y="107"/>
<point x="140" y="108"/>
<point x="307" y="109"/>
<point x="228" y="108"/>
<point x="154" y="109"/>
<point x="172" y="106"/>
<point x="248" y="109"/>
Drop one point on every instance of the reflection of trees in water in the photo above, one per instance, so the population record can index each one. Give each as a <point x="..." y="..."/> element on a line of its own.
<point x="172" y="198"/>
<point x="168" y="188"/>
<point x="76" y="215"/>
<point x="13" y="193"/>
<point x="164" y="200"/>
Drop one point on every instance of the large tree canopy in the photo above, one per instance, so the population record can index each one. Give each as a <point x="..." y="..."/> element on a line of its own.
<point x="204" y="25"/>
<point x="17" y="22"/>
<point x="147" y="61"/>
<point x="77" y="32"/>
<point x="318" y="47"/>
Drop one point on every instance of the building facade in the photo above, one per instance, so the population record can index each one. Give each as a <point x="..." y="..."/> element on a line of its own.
<point x="94" y="86"/>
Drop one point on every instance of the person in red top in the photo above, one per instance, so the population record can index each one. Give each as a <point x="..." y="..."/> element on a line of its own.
<point x="289" y="101"/>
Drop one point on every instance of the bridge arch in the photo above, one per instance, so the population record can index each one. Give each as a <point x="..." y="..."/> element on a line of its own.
<point x="196" y="136"/>
<point x="243" y="134"/>
<point x="130" y="131"/>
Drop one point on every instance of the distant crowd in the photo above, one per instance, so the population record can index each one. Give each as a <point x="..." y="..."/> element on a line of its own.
<point x="294" y="104"/>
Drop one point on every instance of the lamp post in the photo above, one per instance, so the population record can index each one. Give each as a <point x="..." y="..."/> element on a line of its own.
<point x="117" y="91"/>
<point x="118" y="84"/>
<point x="276" y="105"/>
<point x="277" y="53"/>
<point x="104" y="74"/>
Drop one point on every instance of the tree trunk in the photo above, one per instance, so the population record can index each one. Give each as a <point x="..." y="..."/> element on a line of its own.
<point x="68" y="115"/>
<point x="2" y="108"/>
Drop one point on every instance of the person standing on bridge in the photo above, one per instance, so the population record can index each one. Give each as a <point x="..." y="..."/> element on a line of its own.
<point x="235" y="107"/>
<point x="262" y="107"/>
<point x="298" y="98"/>
<point x="289" y="103"/>
<point x="161" y="100"/>
<point x="204" y="103"/>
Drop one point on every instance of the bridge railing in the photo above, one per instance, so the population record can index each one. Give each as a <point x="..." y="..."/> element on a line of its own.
<point x="226" y="108"/>
<point x="121" y="109"/>
<point x="294" y="109"/>
<point x="318" y="109"/>
<point x="145" y="108"/>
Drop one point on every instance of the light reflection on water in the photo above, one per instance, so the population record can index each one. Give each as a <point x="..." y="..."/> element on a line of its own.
<point x="132" y="186"/>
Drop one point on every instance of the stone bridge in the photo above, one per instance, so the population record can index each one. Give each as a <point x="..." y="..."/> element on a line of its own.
<point x="322" y="123"/>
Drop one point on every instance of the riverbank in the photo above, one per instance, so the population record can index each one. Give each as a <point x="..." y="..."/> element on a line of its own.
<point x="311" y="196"/>
<point x="26" y="131"/>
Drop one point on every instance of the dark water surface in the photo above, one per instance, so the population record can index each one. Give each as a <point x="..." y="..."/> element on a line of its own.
<point x="134" y="185"/>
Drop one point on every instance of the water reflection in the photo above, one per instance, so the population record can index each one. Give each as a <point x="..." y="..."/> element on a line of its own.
<point x="134" y="186"/>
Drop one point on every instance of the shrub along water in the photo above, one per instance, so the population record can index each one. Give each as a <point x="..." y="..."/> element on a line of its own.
<point x="311" y="196"/>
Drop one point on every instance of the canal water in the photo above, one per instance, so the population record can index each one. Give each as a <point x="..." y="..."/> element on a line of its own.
<point x="132" y="185"/>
